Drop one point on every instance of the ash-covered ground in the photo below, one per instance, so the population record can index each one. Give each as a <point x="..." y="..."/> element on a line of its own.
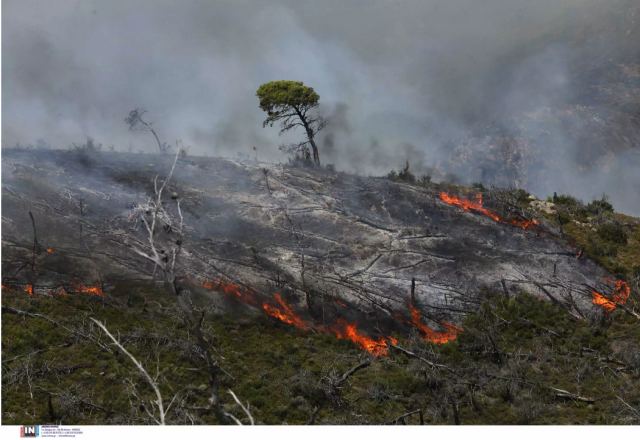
<point x="332" y="243"/>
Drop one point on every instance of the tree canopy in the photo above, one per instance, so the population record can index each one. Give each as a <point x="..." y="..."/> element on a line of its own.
<point x="290" y="103"/>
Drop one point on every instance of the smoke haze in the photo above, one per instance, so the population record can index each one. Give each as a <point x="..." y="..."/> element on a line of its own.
<point x="543" y="94"/>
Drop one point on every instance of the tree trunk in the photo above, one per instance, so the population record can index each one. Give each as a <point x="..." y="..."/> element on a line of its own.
<point x="316" y="155"/>
<point x="309" y="130"/>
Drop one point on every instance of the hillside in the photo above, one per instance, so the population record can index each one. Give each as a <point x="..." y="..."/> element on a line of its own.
<point x="325" y="297"/>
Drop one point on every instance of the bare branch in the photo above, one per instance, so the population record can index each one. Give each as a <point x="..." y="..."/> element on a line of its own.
<point x="139" y="366"/>
<point x="244" y="408"/>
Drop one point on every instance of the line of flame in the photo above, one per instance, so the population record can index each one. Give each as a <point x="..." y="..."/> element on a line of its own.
<point x="282" y="311"/>
<point x="477" y="206"/>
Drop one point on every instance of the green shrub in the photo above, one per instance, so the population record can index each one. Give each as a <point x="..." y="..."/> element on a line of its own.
<point x="565" y="200"/>
<point x="613" y="232"/>
<point x="601" y="248"/>
<point x="601" y="206"/>
<point x="520" y="195"/>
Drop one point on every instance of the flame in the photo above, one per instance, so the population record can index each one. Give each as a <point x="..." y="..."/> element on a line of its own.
<point x="620" y="295"/>
<point x="89" y="290"/>
<point x="50" y="250"/>
<point x="442" y="337"/>
<point x="524" y="223"/>
<point x="602" y="301"/>
<point x="349" y="331"/>
<point x="28" y="289"/>
<point x="469" y="205"/>
<point x="284" y="313"/>
<point x="243" y="294"/>
<point x="477" y="206"/>
<point x="621" y="292"/>
<point x="342" y="329"/>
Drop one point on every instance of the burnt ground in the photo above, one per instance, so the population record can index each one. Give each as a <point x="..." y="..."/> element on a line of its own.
<point x="324" y="239"/>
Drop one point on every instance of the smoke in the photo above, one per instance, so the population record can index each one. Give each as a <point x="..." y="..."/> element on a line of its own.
<point x="399" y="80"/>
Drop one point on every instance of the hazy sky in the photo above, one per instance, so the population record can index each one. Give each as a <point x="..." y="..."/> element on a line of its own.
<point x="399" y="77"/>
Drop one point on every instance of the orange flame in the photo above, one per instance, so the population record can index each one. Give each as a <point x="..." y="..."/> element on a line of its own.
<point x="450" y="334"/>
<point x="284" y="313"/>
<point x="477" y="206"/>
<point x="28" y="289"/>
<point x="469" y="205"/>
<point x="602" y="301"/>
<point x="620" y="295"/>
<point x="243" y="294"/>
<point x="349" y="331"/>
<point x="89" y="290"/>
<point x="524" y="223"/>
<point x="50" y="250"/>
<point x="621" y="292"/>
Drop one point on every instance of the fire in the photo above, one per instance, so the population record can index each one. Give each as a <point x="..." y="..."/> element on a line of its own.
<point x="469" y="205"/>
<point x="621" y="292"/>
<point x="620" y="295"/>
<point x="89" y="290"/>
<point x="28" y="289"/>
<point x="229" y="288"/>
<point x="602" y="301"/>
<point x="450" y="334"/>
<point x="477" y="206"/>
<point x="279" y="309"/>
<point x="349" y="331"/>
<point x="524" y="223"/>
<point x="50" y="250"/>
<point x="284" y="313"/>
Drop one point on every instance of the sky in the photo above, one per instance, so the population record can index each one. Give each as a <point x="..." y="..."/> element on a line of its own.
<point x="397" y="79"/>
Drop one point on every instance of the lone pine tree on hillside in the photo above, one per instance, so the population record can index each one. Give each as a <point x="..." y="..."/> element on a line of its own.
<point x="292" y="104"/>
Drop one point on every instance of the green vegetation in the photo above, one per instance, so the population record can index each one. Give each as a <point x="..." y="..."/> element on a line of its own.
<point x="406" y="176"/>
<point x="505" y="367"/>
<point x="610" y="238"/>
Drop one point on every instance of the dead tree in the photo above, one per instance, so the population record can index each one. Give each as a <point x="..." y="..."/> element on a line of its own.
<point x="135" y="122"/>
<point x="157" y="236"/>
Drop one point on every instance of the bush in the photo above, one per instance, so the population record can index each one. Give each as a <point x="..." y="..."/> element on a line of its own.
<point x="601" y="206"/>
<point x="425" y="180"/>
<point x="88" y="152"/>
<point x="613" y="232"/>
<point x="601" y="248"/>
<point x="478" y="186"/>
<point x="565" y="200"/>
<point x="403" y="175"/>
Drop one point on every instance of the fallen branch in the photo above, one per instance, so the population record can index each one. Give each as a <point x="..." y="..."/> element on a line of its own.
<point x="150" y="381"/>
<point x="420" y="358"/>
<point x="244" y="408"/>
<point x="405" y="415"/>
<point x="564" y="394"/>
<point x="635" y="411"/>
<point x="342" y="379"/>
